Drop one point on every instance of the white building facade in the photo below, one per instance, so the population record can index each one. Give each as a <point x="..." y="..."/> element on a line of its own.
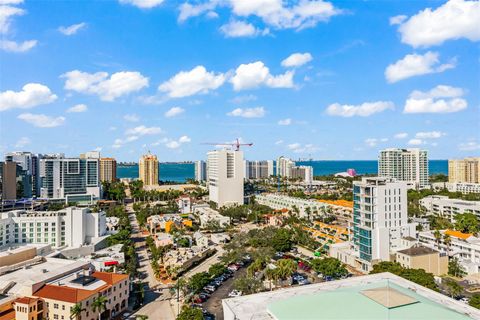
<point x="408" y="165"/>
<point x="258" y="169"/>
<point x="284" y="166"/>
<point x="200" y="171"/>
<point x="463" y="187"/>
<point x="225" y="177"/>
<point x="448" y="208"/>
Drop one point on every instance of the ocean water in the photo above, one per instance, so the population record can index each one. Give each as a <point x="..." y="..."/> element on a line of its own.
<point x="180" y="172"/>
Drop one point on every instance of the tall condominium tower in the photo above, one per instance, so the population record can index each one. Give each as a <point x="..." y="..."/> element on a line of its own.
<point x="30" y="164"/>
<point x="409" y="165"/>
<point x="304" y="173"/>
<point x="284" y="166"/>
<point x="225" y="177"/>
<point x="258" y="169"/>
<point x="108" y="169"/>
<point x="380" y="218"/>
<point x="464" y="170"/>
<point x="200" y="170"/>
<point x="148" y="169"/>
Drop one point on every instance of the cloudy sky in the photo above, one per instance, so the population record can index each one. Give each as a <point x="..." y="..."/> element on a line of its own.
<point x="331" y="80"/>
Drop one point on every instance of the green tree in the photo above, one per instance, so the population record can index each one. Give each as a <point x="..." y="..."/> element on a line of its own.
<point x="198" y="281"/>
<point x="475" y="301"/>
<point x="216" y="270"/>
<point x="190" y="313"/>
<point x="455" y="269"/>
<point x="447" y="241"/>
<point x="141" y="317"/>
<point x="248" y="285"/>
<point x="281" y="240"/>
<point x="329" y="267"/>
<point x="100" y="304"/>
<point x="76" y="311"/>
<point x="453" y="288"/>
<point x="438" y="237"/>
<point x="418" y="276"/>
<point x="467" y="223"/>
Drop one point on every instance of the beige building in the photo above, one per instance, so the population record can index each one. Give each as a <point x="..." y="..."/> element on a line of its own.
<point x="464" y="170"/>
<point x="108" y="169"/>
<point x="148" y="169"/>
<point x="419" y="257"/>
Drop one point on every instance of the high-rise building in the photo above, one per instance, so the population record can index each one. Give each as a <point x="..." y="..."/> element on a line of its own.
<point x="304" y="173"/>
<point x="380" y="218"/>
<point x="225" y="177"/>
<point x="9" y="180"/>
<point x="283" y="166"/>
<point x="200" y="170"/>
<point x="464" y="170"/>
<point x="409" y="165"/>
<point x="148" y="169"/>
<point x="108" y="169"/>
<point x="258" y="169"/>
<point x="72" y="179"/>
<point x="30" y="164"/>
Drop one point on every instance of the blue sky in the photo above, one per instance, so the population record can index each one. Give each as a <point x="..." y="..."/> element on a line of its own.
<point x="331" y="80"/>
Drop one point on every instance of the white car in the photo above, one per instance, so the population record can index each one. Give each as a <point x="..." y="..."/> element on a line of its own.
<point x="235" y="293"/>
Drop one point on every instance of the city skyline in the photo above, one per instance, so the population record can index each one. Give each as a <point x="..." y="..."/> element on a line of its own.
<point x="321" y="79"/>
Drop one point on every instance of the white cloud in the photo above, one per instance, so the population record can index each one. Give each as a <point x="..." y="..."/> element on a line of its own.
<point x="78" y="108"/>
<point x="131" y="117"/>
<point x="188" y="10"/>
<point x="469" y="146"/>
<point x="32" y="94"/>
<point x="429" y="135"/>
<point x="253" y="75"/>
<point x="6" y="14"/>
<point x="441" y="99"/>
<point x="42" y="120"/>
<point x="71" y="30"/>
<point x="455" y="19"/>
<point x="173" y="112"/>
<point x="397" y="19"/>
<point x="107" y="88"/>
<point x="299" y="148"/>
<point x="22" y="142"/>
<point x="13" y="46"/>
<point x="98" y="149"/>
<point x="237" y="29"/>
<point x="282" y="14"/>
<point x="187" y="83"/>
<point x="143" y="130"/>
<point x="285" y="122"/>
<point x="297" y="59"/>
<point x="278" y="142"/>
<point x="257" y="112"/>
<point x="243" y="99"/>
<point x="415" y="65"/>
<point x="401" y="135"/>
<point x="415" y="142"/>
<point x="142" y="4"/>
<point x="175" y="144"/>
<point x="364" y="110"/>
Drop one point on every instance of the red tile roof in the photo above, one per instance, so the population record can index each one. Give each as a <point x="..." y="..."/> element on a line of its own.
<point x="7" y="315"/>
<point x="109" y="277"/>
<point x="25" y="300"/>
<point x="66" y="294"/>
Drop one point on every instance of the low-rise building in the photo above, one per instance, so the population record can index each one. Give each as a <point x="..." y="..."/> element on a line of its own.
<point x="463" y="187"/>
<point x="420" y="257"/>
<point x="184" y="203"/>
<point x="165" y="223"/>
<point x="207" y="215"/>
<point x="448" y="208"/>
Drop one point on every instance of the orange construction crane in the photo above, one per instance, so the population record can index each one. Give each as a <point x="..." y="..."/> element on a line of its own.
<point x="235" y="144"/>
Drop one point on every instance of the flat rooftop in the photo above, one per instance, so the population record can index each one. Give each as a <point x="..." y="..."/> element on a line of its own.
<point x="378" y="296"/>
<point x="418" y="251"/>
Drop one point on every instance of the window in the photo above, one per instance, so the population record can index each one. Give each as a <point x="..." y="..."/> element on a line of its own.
<point x="55" y="316"/>
<point x="55" y="306"/>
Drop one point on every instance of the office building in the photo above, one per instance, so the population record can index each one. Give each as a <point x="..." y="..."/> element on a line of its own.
<point x="148" y="169"/>
<point x="70" y="227"/>
<point x="445" y="207"/>
<point x="72" y="179"/>
<point x="380" y="219"/>
<point x="408" y="165"/>
<point x="225" y="177"/>
<point x="465" y="170"/>
<point x="108" y="169"/>
<point x="284" y="166"/>
<point x="376" y="296"/>
<point x="302" y="173"/>
<point x="30" y="165"/>
<point x="9" y="180"/>
<point x="200" y="171"/>
<point x="258" y="169"/>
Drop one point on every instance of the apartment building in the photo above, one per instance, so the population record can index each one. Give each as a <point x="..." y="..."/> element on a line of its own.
<point x="408" y="165"/>
<point x="148" y="169"/>
<point x="462" y="187"/>
<point x="380" y="219"/>
<point x="283" y="166"/>
<point x="420" y="257"/>
<point x="200" y="171"/>
<point x="108" y="169"/>
<point x="445" y="207"/>
<point x="225" y="177"/>
<point x="464" y="170"/>
<point x="30" y="165"/>
<point x="70" y="227"/>
<point x="258" y="169"/>
<point x="206" y="215"/>
<point x="303" y="173"/>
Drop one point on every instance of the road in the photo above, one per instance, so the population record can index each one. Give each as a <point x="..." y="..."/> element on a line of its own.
<point x="205" y="265"/>
<point x="158" y="303"/>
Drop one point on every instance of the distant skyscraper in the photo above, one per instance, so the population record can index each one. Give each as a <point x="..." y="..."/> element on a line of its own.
<point x="225" y="177"/>
<point x="283" y="166"/>
<point x="465" y="170"/>
<point x="73" y="179"/>
<point x="304" y="173"/>
<point x="200" y="170"/>
<point x="30" y="164"/>
<point x="148" y="169"/>
<point x="409" y="165"/>
<point x="380" y="218"/>
<point x="258" y="169"/>
<point x="9" y="180"/>
<point x="108" y="169"/>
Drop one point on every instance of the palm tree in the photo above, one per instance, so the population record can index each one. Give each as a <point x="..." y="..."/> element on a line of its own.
<point x="76" y="311"/>
<point x="99" y="304"/>
<point x="447" y="240"/>
<point x="437" y="236"/>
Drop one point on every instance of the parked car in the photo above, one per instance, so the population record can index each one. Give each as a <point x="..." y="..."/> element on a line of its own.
<point x="233" y="267"/>
<point x="235" y="293"/>
<point x="210" y="288"/>
<point x="303" y="282"/>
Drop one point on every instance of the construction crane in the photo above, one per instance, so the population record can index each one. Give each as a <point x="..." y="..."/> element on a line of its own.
<point x="235" y="144"/>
